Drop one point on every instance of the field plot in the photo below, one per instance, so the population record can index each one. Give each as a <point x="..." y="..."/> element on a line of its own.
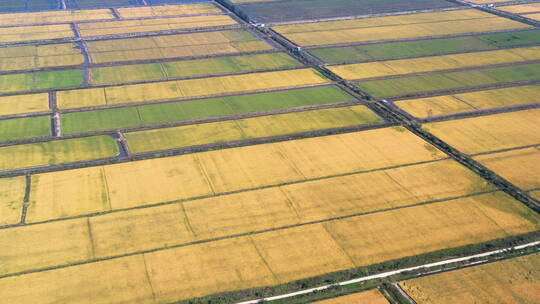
<point x="528" y="10"/>
<point x="86" y="4"/>
<point x="176" y="46"/>
<point x="490" y="133"/>
<point x="79" y="122"/>
<point x="57" y="152"/>
<point x="520" y="166"/>
<point x="190" y="68"/>
<point x="39" y="56"/>
<point x="367" y="297"/>
<point x="34" y="33"/>
<point x="21" y="104"/>
<point x="169" y="10"/>
<point x="189" y="88"/>
<point x="264" y="126"/>
<point x="435" y="63"/>
<point x="10" y="6"/>
<point x="396" y="27"/>
<point x="515" y="280"/>
<point x="18" y="128"/>
<point x="289" y="10"/>
<point x="411" y="85"/>
<point x="12" y="195"/>
<point x="393" y="50"/>
<point x="153" y="25"/>
<point x="465" y="102"/>
<point x="54" y="17"/>
<point x="13" y="83"/>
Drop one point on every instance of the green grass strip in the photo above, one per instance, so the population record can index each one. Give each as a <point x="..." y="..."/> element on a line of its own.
<point x="41" y="81"/>
<point x="19" y="128"/>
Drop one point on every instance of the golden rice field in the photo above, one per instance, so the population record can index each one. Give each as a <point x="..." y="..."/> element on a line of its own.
<point x="39" y="56"/>
<point x="268" y="258"/>
<point x="153" y="25"/>
<point x="366" y="297"/>
<point x="515" y="280"/>
<point x="188" y="88"/>
<point x="168" y="10"/>
<point x="465" y="102"/>
<point x="491" y="132"/>
<point x="54" y="17"/>
<point x="435" y="63"/>
<point x="257" y="127"/>
<point x="520" y="166"/>
<point x="12" y="195"/>
<point x="38" y="32"/>
<point x="396" y="27"/>
<point x="521" y="8"/>
<point x="174" y="46"/>
<point x="536" y="194"/>
<point x="20" y="104"/>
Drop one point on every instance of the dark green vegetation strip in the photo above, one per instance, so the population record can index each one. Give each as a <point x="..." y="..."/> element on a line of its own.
<point x="18" y="128"/>
<point x="191" y="68"/>
<point x="448" y="81"/>
<point x="8" y="6"/>
<point x="41" y="81"/>
<point x="394" y="50"/>
<point x="79" y="122"/>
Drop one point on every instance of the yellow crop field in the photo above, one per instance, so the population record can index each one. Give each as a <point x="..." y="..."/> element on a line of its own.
<point x="38" y="32"/>
<point x="126" y="276"/>
<point x="519" y="166"/>
<point x="202" y="174"/>
<point x="373" y="296"/>
<point x="39" y="56"/>
<point x="188" y="88"/>
<point x="515" y="280"/>
<point x="55" y="17"/>
<point x="57" y="152"/>
<point x="434" y="63"/>
<point x="411" y="231"/>
<point x="31" y="247"/>
<point x="153" y="25"/>
<point x="169" y="10"/>
<point x="490" y="133"/>
<point x="375" y="29"/>
<point x="481" y="100"/>
<point x="263" y="126"/>
<point x="521" y="8"/>
<point x="11" y="199"/>
<point x="67" y="193"/>
<point x="174" y="46"/>
<point x="536" y="194"/>
<point x="533" y="16"/>
<point x="20" y="104"/>
<point x="231" y="264"/>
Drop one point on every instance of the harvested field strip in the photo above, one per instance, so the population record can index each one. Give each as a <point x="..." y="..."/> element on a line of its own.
<point x="435" y="63"/>
<point x="520" y="166"/>
<point x="57" y="152"/>
<point x="12" y="195"/>
<point x="171" y="90"/>
<point x="515" y="280"/>
<point x="312" y="34"/>
<point x="137" y="230"/>
<point x="451" y="80"/>
<point x="191" y="68"/>
<point x="13" y="83"/>
<point x="202" y="174"/>
<point x="481" y="100"/>
<point x="394" y="50"/>
<point x="521" y="8"/>
<point x="264" y="126"/>
<point x="39" y="56"/>
<point x="19" y="128"/>
<point x="55" y="17"/>
<point x="366" y="297"/>
<point x="274" y="257"/>
<point x="21" y="104"/>
<point x="39" y="32"/>
<point x="173" y="46"/>
<point x="153" y="25"/>
<point x="168" y="10"/>
<point x="79" y="122"/>
<point x="490" y="133"/>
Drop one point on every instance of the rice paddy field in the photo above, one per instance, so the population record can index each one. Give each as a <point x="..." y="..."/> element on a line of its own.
<point x="180" y="151"/>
